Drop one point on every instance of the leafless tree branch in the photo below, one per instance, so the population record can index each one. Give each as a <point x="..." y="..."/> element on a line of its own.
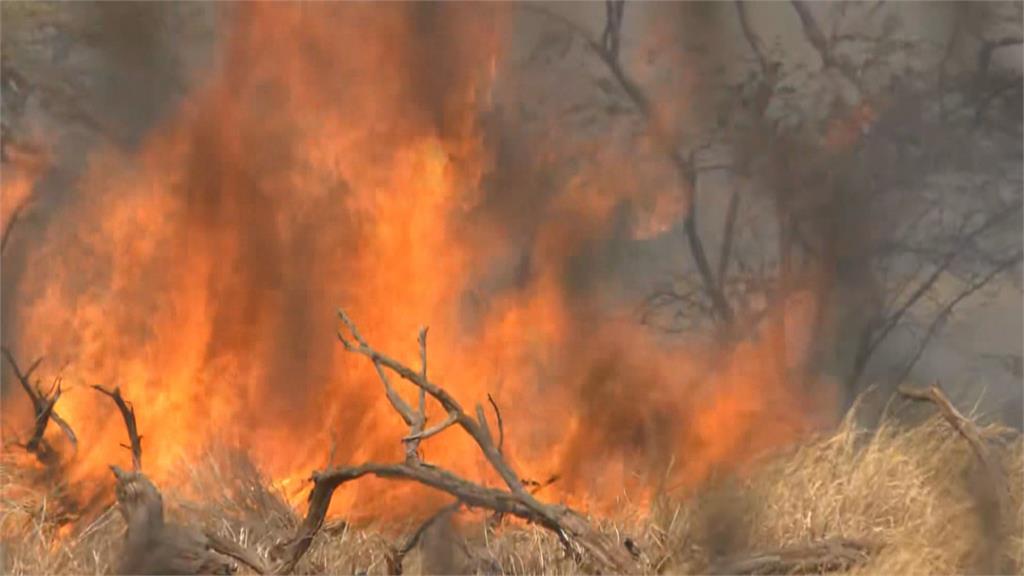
<point x="607" y="50"/>
<point x="574" y="531"/>
<point x="42" y="406"/>
<point x="940" y="319"/>
<point x="128" y="413"/>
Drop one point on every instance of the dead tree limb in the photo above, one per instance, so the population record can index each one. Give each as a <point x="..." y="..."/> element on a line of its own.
<point x="992" y="473"/>
<point x="575" y="532"/>
<point x="832" y="555"/>
<point x="128" y="413"/>
<point x="42" y="405"/>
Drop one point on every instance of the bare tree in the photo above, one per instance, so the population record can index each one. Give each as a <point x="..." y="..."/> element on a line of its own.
<point x="891" y="169"/>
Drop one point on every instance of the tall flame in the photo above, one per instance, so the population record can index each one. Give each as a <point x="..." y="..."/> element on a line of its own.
<point x="335" y="157"/>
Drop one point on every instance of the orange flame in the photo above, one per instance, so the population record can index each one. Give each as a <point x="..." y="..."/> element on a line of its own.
<point x="335" y="158"/>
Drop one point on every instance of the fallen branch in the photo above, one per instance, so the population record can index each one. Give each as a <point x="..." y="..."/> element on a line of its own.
<point x="42" y="407"/>
<point x="996" y="489"/>
<point x="575" y="532"/>
<point x="128" y="413"/>
<point x="832" y="555"/>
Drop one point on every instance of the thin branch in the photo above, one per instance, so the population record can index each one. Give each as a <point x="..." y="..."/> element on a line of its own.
<point x="501" y="426"/>
<point x="890" y="323"/>
<point x="607" y="50"/>
<point x="442" y="396"/>
<point x="128" y="413"/>
<point x="947" y="310"/>
<point x="728" y="233"/>
<point x="396" y="400"/>
<point x="433" y="430"/>
<point x="817" y="39"/>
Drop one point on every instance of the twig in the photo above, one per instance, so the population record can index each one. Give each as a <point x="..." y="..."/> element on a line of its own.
<point x="727" y="236"/>
<point x="501" y="426"/>
<point x="128" y="413"/>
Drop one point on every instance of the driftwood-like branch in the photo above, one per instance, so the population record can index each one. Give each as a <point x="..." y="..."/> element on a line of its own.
<point x="128" y="413"/>
<point x="42" y="406"/>
<point x="575" y="532"/>
<point x="995" y="488"/>
<point x="832" y="555"/>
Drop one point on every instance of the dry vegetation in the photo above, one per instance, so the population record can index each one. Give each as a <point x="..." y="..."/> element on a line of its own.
<point x="910" y="491"/>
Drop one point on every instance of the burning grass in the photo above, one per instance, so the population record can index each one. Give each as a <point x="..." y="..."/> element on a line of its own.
<point x="909" y="490"/>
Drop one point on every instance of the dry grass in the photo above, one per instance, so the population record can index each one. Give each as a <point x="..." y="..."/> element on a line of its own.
<point x="910" y="489"/>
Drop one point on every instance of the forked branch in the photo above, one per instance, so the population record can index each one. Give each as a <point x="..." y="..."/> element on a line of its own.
<point x="573" y="529"/>
<point x="42" y="406"/>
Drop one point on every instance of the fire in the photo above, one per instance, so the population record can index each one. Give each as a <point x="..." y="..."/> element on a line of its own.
<point x="335" y="157"/>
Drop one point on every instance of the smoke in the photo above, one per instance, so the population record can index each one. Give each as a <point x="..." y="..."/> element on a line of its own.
<point x="394" y="160"/>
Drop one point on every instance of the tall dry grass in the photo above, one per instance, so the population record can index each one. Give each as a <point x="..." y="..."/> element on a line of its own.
<point x="913" y="490"/>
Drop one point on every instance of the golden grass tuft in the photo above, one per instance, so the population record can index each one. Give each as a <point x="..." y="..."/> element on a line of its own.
<point x="910" y="489"/>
